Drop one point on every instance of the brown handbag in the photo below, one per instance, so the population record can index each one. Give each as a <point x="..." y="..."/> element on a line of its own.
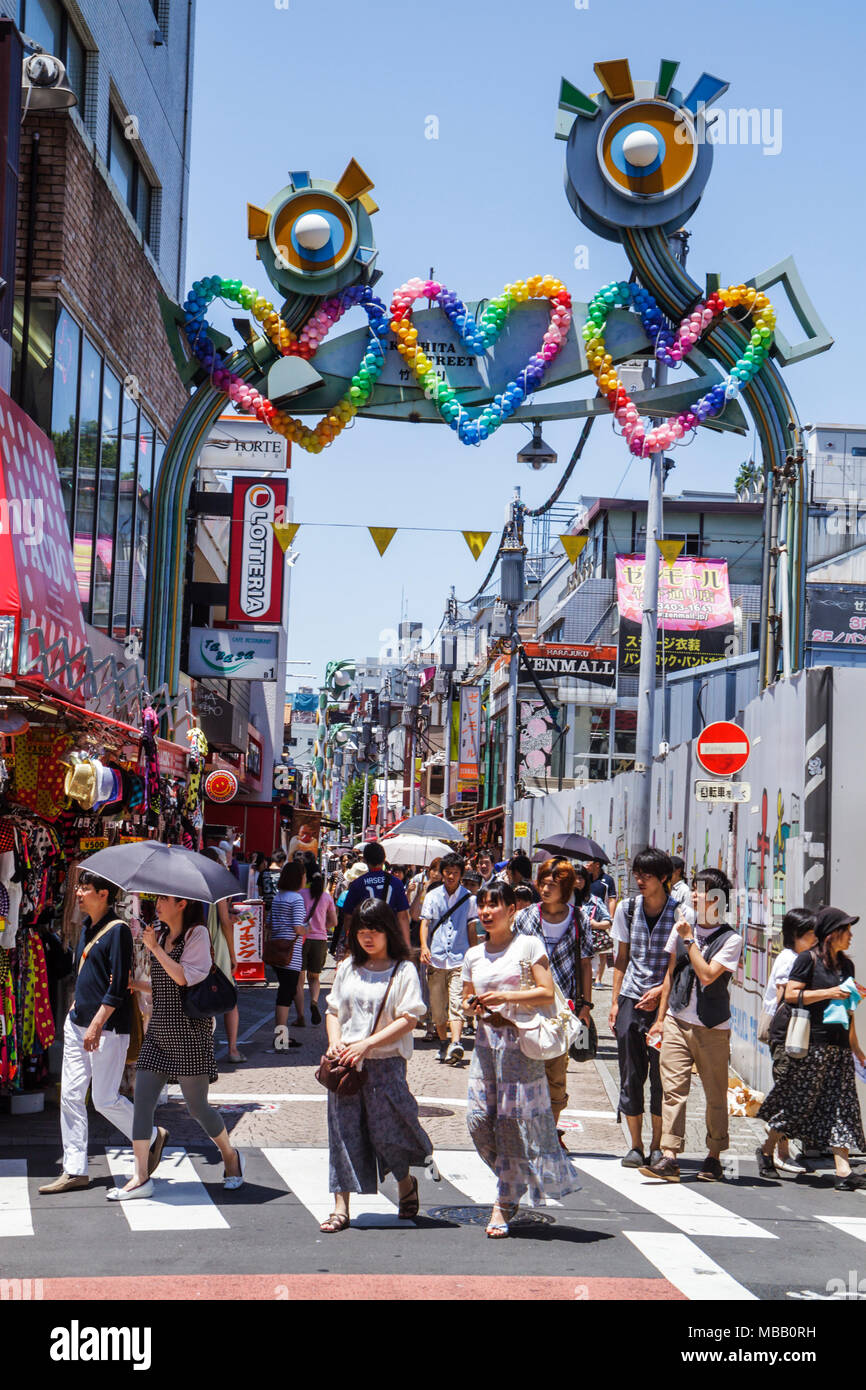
<point x="347" y="1080"/>
<point x="278" y="951"/>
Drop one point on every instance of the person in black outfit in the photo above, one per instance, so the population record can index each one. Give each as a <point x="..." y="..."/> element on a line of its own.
<point x="814" y="1099"/>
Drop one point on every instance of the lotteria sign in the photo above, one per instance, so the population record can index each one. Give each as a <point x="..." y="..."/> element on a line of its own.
<point x="256" y="561"/>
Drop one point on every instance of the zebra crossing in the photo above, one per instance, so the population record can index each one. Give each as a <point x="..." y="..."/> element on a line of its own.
<point x="733" y="1245"/>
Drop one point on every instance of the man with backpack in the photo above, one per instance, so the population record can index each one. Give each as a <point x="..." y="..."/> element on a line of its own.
<point x="378" y="883"/>
<point x="694" y="1024"/>
<point x="641" y="928"/>
<point x="449" y="919"/>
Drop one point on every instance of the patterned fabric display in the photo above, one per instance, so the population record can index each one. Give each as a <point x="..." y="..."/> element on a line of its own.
<point x="38" y="1023"/>
<point x="8" y="1048"/>
<point x="39" y="772"/>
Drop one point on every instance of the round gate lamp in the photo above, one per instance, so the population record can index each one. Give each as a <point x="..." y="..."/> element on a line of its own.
<point x="641" y="148"/>
<point x="313" y="231"/>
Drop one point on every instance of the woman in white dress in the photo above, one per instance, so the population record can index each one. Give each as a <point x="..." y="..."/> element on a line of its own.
<point x="508" y="1104"/>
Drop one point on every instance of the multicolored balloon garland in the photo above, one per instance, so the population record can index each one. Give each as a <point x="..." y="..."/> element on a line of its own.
<point x="314" y="332"/>
<point x="480" y="335"/>
<point x="672" y="348"/>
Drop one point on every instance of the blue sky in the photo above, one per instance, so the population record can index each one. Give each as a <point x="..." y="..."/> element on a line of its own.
<point x="311" y="85"/>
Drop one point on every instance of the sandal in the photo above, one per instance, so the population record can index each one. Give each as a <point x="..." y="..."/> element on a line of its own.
<point x="337" y="1221"/>
<point x="499" y="1230"/>
<point x="409" y="1205"/>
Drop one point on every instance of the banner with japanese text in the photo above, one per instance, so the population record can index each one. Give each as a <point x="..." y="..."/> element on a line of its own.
<point x="696" y="618"/>
<point x="470" y="733"/>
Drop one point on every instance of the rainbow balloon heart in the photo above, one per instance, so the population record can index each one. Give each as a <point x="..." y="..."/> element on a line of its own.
<point x="314" y="332"/>
<point x="672" y="349"/>
<point x="479" y="335"/>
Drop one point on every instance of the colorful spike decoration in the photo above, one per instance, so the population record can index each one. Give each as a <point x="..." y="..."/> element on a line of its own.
<point x="672" y="348"/>
<point x="284" y="340"/>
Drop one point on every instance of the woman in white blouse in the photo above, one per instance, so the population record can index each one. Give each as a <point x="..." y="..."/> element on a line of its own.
<point x="176" y="1049"/>
<point x="375" y="1131"/>
<point x="508" y="1110"/>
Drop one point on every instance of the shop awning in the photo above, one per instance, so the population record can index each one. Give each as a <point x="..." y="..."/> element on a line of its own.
<point x="482" y="817"/>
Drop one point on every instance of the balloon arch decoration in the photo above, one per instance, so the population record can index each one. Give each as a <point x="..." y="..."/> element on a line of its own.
<point x="637" y="162"/>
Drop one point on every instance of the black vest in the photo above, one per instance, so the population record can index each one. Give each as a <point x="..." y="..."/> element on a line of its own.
<point x="713" y="1004"/>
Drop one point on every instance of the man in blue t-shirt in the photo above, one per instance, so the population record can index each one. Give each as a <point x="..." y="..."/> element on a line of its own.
<point x="378" y="883"/>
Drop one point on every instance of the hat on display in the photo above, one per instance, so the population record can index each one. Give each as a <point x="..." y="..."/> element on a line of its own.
<point x="831" y="919"/>
<point x="81" y="782"/>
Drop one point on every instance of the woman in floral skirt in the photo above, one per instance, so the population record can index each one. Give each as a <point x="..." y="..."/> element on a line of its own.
<point x="508" y="1105"/>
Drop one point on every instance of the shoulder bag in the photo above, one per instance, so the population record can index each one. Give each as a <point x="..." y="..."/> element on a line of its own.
<point x="212" y="996"/>
<point x="278" y="951"/>
<point x="342" y="1079"/>
<point x="799" y="1032"/>
<point x="551" y="1029"/>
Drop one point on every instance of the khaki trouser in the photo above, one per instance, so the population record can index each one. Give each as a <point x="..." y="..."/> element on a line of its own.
<point x="709" y="1049"/>
<point x="446" y="994"/>
<point x="557" y="1071"/>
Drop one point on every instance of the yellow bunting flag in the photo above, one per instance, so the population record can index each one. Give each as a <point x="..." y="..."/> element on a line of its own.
<point x="573" y="545"/>
<point x="382" y="536"/>
<point x="286" y="533"/>
<point x="476" y="540"/>
<point x="670" y="551"/>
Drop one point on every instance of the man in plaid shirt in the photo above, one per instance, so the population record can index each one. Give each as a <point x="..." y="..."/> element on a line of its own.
<point x="566" y="938"/>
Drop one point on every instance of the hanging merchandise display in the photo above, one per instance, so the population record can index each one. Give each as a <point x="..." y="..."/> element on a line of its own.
<point x="192" y="817"/>
<point x="672" y="349"/>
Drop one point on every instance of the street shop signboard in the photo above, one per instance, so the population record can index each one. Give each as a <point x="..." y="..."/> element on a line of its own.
<point x="470" y="733"/>
<point x="239" y="656"/>
<point x="38" y="587"/>
<point x="249" y="932"/>
<point x="731" y="792"/>
<point x="837" y="614"/>
<point x="173" y="759"/>
<point x="256" y="559"/>
<point x="696" y="618"/>
<point x="723" y="748"/>
<point x="556" y="662"/>
<point x="242" y="442"/>
<point x="304" y="831"/>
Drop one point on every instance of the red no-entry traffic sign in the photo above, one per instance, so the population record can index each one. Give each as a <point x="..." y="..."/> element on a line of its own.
<point x="723" y="748"/>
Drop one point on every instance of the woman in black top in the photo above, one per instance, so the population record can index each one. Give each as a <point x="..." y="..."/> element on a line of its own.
<point x="814" y="1098"/>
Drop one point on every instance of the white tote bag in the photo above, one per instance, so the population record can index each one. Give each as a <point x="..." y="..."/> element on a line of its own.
<point x="548" y="1031"/>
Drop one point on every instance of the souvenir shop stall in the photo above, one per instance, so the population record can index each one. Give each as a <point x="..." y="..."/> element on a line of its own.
<point x="71" y="782"/>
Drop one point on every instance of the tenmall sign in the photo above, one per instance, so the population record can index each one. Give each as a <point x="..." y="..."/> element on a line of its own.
<point x="572" y="661"/>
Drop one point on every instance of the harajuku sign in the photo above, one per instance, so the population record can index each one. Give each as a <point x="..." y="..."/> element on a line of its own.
<point x="696" y="619"/>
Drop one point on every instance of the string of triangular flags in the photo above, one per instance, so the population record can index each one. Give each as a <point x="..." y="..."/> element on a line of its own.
<point x="573" y="546"/>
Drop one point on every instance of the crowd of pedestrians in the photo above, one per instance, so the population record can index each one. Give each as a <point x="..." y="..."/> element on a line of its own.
<point x="469" y="947"/>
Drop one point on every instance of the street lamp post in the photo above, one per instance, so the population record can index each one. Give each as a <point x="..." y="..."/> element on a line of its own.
<point x="513" y="555"/>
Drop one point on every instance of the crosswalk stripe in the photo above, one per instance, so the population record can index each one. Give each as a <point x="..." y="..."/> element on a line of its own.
<point x="15" y="1216"/>
<point x="181" y="1201"/>
<point x="466" y="1170"/>
<point x="682" y="1206"/>
<point x="305" y="1173"/>
<point x="688" y="1268"/>
<point x="849" y="1225"/>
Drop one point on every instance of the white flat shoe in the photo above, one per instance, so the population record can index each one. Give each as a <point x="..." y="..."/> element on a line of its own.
<point x="124" y="1194"/>
<point x="232" y="1184"/>
<point x="281" y="1038"/>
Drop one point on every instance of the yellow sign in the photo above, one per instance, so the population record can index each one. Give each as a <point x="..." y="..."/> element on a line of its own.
<point x="521" y="829"/>
<point x="93" y="843"/>
<point x="382" y="536"/>
<point x="573" y="545"/>
<point x="476" y="540"/>
<point x="132" y="839"/>
<point x="670" y="551"/>
<point x="286" y="533"/>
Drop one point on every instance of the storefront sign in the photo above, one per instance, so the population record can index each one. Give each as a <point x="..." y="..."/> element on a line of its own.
<point x="304" y="831"/>
<point x="837" y="614"/>
<point x="256" y="560"/>
<point x="221" y="786"/>
<point x="242" y="441"/>
<point x="173" y="760"/>
<point x="38" y="587"/>
<point x="249" y="929"/>
<point x="696" y="620"/>
<point x="470" y="732"/>
<point x="240" y="656"/>
<point x="551" y="661"/>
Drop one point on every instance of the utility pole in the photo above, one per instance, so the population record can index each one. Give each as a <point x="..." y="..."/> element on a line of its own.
<point x="643" y="758"/>
<point x="513" y="555"/>
<point x="449" y="666"/>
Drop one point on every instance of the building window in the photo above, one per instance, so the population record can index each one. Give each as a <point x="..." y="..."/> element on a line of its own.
<point x="64" y="405"/>
<point x="48" y="24"/>
<point x="104" y="560"/>
<point x="126" y="170"/>
<point x="691" y="541"/>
